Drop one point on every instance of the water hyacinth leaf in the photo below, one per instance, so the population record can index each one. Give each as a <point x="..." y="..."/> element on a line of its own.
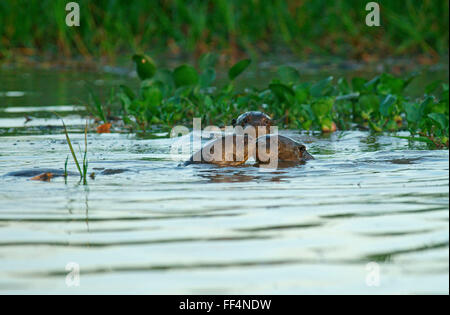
<point x="238" y="68"/>
<point x="207" y="77"/>
<point x="301" y="93"/>
<point x="145" y="67"/>
<point x="322" y="88"/>
<point x="441" y="119"/>
<point x="390" y="84"/>
<point x="152" y="96"/>
<point x="282" y="91"/>
<point x="322" y="107"/>
<point x="369" y="102"/>
<point x="185" y="75"/>
<point x="413" y="112"/>
<point x="288" y="74"/>
<point x="386" y="104"/>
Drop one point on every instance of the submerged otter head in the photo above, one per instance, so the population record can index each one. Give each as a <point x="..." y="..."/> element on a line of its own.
<point x="255" y="120"/>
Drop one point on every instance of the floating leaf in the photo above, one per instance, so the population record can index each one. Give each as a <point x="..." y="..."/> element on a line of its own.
<point x="185" y="75"/>
<point x="145" y="66"/>
<point x="238" y="68"/>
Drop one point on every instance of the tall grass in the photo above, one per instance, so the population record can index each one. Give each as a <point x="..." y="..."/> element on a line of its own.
<point x="109" y="27"/>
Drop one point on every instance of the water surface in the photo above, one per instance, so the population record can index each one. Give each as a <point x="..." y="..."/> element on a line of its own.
<point x="154" y="227"/>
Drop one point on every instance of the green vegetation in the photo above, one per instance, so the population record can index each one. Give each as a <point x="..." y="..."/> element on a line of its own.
<point x="81" y="170"/>
<point x="166" y="98"/>
<point x="113" y="27"/>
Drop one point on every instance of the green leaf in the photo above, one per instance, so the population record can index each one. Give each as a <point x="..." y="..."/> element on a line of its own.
<point x="282" y="91"/>
<point x="441" y="119"/>
<point x="185" y="75"/>
<point x="207" y="77"/>
<point x="369" y="103"/>
<point x="301" y="92"/>
<point x="145" y="66"/>
<point x="288" y="74"/>
<point x="386" y="104"/>
<point x="413" y="112"/>
<point x="322" y="107"/>
<point x="390" y="84"/>
<point x="238" y="68"/>
<point x="152" y="96"/>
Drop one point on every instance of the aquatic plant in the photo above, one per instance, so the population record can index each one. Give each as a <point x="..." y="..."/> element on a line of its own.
<point x="81" y="170"/>
<point x="166" y="98"/>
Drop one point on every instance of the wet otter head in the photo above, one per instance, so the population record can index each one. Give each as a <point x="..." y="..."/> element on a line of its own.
<point x="303" y="155"/>
<point x="254" y="119"/>
<point x="289" y="150"/>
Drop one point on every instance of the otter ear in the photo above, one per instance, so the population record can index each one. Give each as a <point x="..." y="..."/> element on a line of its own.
<point x="233" y="122"/>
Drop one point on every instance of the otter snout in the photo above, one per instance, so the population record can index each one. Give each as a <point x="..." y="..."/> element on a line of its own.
<point x="307" y="156"/>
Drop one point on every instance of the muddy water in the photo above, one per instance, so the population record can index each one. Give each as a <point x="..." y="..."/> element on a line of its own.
<point x="369" y="215"/>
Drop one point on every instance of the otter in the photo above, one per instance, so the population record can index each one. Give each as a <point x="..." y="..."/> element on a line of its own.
<point x="288" y="150"/>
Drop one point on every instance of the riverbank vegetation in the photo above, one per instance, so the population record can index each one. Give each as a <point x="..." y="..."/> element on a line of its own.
<point x="169" y="97"/>
<point x="111" y="28"/>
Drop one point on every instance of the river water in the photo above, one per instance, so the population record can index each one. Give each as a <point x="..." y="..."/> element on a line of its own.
<point x="369" y="215"/>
